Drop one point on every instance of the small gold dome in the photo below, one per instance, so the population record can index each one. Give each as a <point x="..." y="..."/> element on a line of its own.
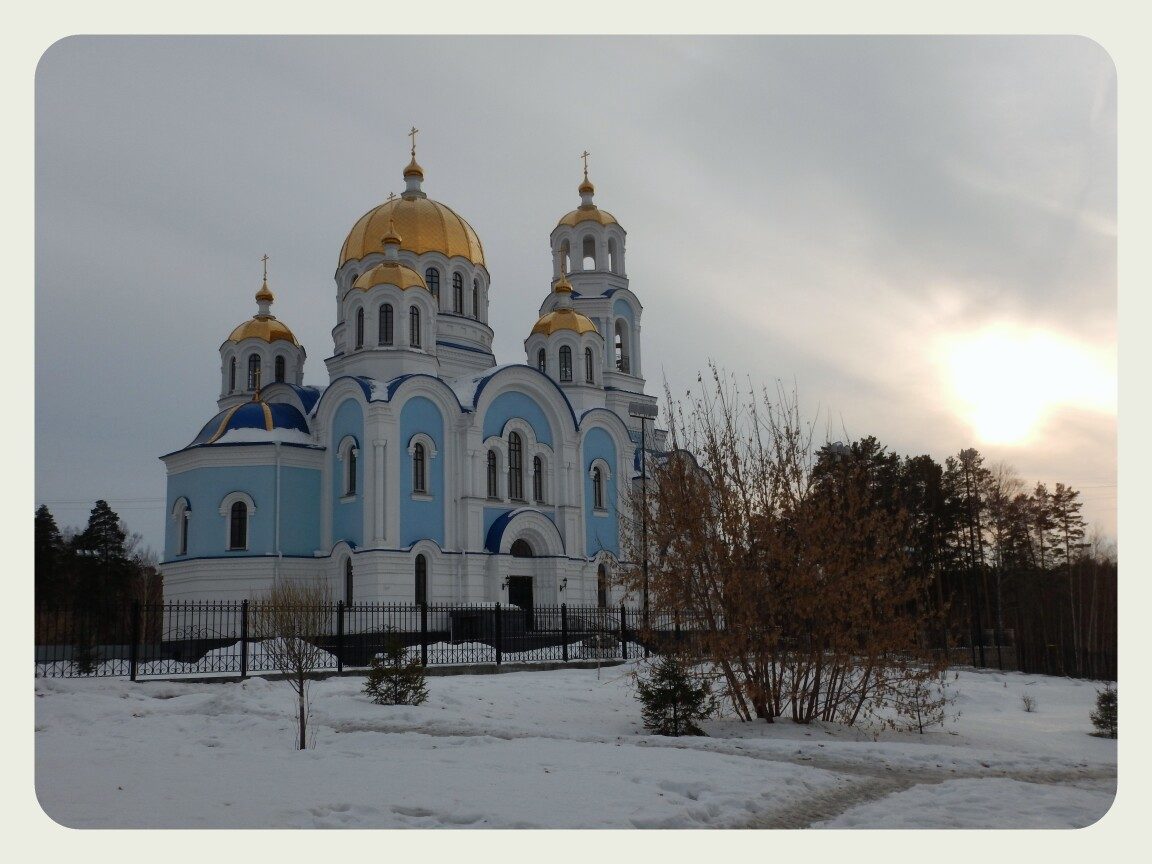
<point x="390" y="273"/>
<point x="425" y="225"/>
<point x="413" y="169"/>
<point x="564" y="319"/>
<point x="587" y="214"/>
<point x="586" y="188"/>
<point x="264" y="327"/>
<point x="562" y="286"/>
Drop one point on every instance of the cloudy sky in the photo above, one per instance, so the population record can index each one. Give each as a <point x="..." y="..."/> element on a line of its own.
<point x="919" y="233"/>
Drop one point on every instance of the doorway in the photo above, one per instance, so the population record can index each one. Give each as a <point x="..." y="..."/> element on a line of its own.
<point x="520" y="594"/>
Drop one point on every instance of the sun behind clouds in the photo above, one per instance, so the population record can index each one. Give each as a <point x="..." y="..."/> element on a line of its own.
<point x="1006" y="380"/>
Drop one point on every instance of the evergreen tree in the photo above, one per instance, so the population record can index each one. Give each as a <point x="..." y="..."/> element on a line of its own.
<point x="394" y="679"/>
<point x="105" y="570"/>
<point x="1106" y="716"/>
<point x="671" y="702"/>
<point x="50" y="560"/>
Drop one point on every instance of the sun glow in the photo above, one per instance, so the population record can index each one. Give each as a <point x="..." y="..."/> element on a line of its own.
<point x="1006" y="381"/>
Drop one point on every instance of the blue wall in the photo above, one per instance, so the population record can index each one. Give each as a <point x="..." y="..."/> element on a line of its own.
<point x="347" y="516"/>
<point x="420" y="520"/>
<point x="622" y="310"/>
<point x="601" y="531"/>
<point x="515" y="404"/>
<point x="205" y="488"/>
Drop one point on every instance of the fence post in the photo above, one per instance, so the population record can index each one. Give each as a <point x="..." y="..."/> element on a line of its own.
<point x="564" y="629"/>
<point x="243" y="638"/>
<point x="499" y="635"/>
<point x="623" y="632"/>
<point x="423" y="634"/>
<point x="339" y="636"/>
<point x="134" y="648"/>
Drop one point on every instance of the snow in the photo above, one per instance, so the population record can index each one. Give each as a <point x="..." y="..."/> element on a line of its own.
<point x="263" y="436"/>
<point x="551" y="749"/>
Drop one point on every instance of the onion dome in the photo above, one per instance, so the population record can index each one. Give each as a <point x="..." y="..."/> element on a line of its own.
<point x="254" y="421"/>
<point x="564" y="317"/>
<point x="263" y="325"/>
<point x="587" y="211"/>
<point x="390" y="273"/>
<point x="425" y="225"/>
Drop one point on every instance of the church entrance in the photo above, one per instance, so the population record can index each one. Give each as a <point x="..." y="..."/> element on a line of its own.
<point x="520" y="594"/>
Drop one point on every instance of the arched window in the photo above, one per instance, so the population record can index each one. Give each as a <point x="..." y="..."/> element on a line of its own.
<point x="414" y="327"/>
<point x="253" y="371"/>
<point x="238" y="526"/>
<point x="589" y="254"/>
<point x="359" y="328"/>
<point x="565" y="258"/>
<point x="232" y="375"/>
<point x="457" y="293"/>
<point x="601" y="587"/>
<point x="419" y="469"/>
<point x="492" y="474"/>
<point x="621" y="348"/>
<point x="589" y="375"/>
<point x="421" y="588"/>
<point x="348" y="581"/>
<point x="597" y="489"/>
<point x="351" y="456"/>
<point x="542" y="360"/>
<point x="613" y="258"/>
<point x="565" y="363"/>
<point x="385" y="328"/>
<point x="432" y="280"/>
<point x="181" y="513"/>
<point x="520" y="549"/>
<point x="537" y="479"/>
<point x="476" y="299"/>
<point x="515" y="466"/>
<point x="279" y="368"/>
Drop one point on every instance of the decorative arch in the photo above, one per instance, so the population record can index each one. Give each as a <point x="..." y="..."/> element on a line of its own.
<point x="529" y="525"/>
<point x="237" y="508"/>
<point x="181" y="515"/>
<point x="349" y="454"/>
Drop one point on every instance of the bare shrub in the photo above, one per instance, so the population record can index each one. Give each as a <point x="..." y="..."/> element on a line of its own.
<point x="1029" y="703"/>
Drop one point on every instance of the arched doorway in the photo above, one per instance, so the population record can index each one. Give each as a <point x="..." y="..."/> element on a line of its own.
<point x="520" y="586"/>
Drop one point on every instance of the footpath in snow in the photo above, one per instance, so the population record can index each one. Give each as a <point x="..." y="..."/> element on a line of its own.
<point x="556" y="749"/>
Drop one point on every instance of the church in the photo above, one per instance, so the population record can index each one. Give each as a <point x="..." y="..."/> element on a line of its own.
<point x="424" y="472"/>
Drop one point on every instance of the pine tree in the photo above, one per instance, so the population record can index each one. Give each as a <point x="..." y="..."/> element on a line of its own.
<point x="105" y="569"/>
<point x="671" y="701"/>
<point x="1106" y="716"/>
<point x="50" y="560"/>
<point x="394" y="679"/>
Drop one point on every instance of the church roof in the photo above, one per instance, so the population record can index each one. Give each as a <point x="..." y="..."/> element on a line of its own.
<point x="564" y="319"/>
<point x="390" y="273"/>
<point x="258" y="416"/>
<point x="592" y="213"/>
<point x="266" y="327"/>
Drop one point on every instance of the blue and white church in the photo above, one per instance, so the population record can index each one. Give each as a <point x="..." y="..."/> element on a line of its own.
<point x="424" y="471"/>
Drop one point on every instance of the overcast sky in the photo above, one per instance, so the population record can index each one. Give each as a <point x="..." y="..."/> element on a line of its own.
<point x="920" y="233"/>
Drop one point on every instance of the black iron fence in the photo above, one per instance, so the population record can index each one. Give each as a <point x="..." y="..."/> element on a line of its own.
<point x="199" y="638"/>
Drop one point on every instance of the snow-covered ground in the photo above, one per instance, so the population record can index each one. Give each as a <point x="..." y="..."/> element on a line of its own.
<point x="552" y="749"/>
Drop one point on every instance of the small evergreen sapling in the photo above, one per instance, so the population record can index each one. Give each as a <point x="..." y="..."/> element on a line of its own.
<point x="671" y="702"/>
<point x="1105" y="718"/>
<point x="394" y="679"/>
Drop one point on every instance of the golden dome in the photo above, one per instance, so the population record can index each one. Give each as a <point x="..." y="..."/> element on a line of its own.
<point x="263" y="327"/>
<point x="564" y="319"/>
<point x="591" y="213"/>
<point x="390" y="273"/>
<point x="413" y="169"/>
<point x="425" y="225"/>
<point x="265" y="295"/>
<point x="562" y="286"/>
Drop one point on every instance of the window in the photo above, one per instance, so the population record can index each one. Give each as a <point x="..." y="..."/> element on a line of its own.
<point x="538" y="480"/>
<point x="253" y="371"/>
<point x="601" y="587"/>
<point x="421" y="587"/>
<point x="238" y="526"/>
<point x="565" y="363"/>
<point x="414" y="327"/>
<point x="432" y="280"/>
<point x="419" y="469"/>
<point x="232" y="375"/>
<point x="588" y="367"/>
<point x="492" y="474"/>
<point x="542" y="360"/>
<point x="279" y="368"/>
<point x="359" y="328"/>
<point x="520" y="549"/>
<point x="621" y="348"/>
<point x="515" y="466"/>
<point x="385" y="328"/>
<point x="476" y="299"/>
<point x="350" y="460"/>
<point x="589" y="255"/>
<point x="457" y="293"/>
<point x="181" y="514"/>
<point x="347" y="581"/>
<point x="597" y="489"/>
<point x="613" y="258"/>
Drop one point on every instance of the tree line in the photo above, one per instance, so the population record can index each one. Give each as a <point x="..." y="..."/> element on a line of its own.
<point x="96" y="572"/>
<point x="837" y="580"/>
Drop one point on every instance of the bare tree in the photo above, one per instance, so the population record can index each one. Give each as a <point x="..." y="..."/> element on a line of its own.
<point x="291" y="619"/>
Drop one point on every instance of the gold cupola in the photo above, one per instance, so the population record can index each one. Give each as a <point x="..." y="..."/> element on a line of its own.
<point x="587" y="211"/>
<point x="563" y="317"/>
<point x="425" y="225"/>
<point x="390" y="271"/>
<point x="263" y="325"/>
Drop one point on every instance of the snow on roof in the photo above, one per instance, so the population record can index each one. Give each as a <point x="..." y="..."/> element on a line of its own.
<point x="263" y="436"/>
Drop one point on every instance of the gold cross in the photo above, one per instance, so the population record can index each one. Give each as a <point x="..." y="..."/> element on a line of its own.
<point x="412" y="135"/>
<point x="391" y="196"/>
<point x="265" y="260"/>
<point x="585" y="156"/>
